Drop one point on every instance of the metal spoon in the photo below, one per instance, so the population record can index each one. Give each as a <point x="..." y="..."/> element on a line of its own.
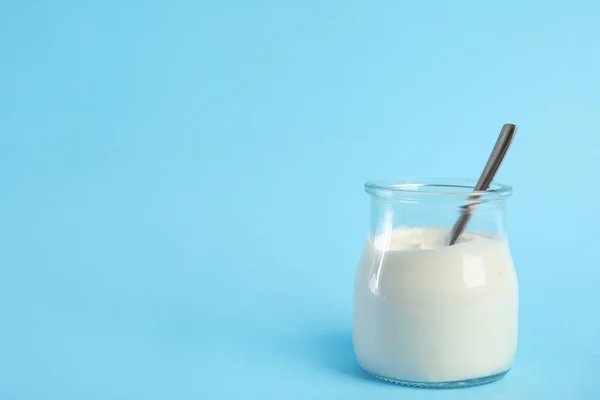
<point x="502" y="144"/>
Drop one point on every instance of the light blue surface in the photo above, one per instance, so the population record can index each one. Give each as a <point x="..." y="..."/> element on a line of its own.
<point x="181" y="204"/>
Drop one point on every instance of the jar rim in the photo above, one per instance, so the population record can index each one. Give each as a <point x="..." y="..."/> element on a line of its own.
<point x="415" y="187"/>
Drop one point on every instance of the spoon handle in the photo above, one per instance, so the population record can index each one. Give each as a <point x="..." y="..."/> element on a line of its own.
<point x="502" y="144"/>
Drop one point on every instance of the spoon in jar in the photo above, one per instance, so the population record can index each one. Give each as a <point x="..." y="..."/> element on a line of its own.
<point x="502" y="144"/>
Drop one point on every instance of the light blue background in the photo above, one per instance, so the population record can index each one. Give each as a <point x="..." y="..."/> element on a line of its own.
<point x="181" y="204"/>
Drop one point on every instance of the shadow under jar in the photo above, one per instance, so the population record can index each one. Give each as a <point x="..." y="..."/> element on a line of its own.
<point x="430" y="315"/>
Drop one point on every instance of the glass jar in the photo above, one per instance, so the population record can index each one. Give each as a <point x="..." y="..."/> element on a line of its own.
<point x="427" y="314"/>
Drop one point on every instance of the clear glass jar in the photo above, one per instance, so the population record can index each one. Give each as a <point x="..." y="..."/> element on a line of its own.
<point x="428" y="314"/>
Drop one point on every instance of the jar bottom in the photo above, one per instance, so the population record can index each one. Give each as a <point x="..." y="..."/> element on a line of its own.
<point x="445" y="385"/>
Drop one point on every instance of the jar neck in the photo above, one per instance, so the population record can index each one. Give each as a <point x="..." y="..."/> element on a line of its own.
<point x="388" y="214"/>
<point x="436" y="203"/>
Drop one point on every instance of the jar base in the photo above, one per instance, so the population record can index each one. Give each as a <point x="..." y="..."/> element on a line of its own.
<point x="445" y="385"/>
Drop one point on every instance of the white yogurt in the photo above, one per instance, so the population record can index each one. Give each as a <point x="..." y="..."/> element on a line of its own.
<point x="428" y="313"/>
